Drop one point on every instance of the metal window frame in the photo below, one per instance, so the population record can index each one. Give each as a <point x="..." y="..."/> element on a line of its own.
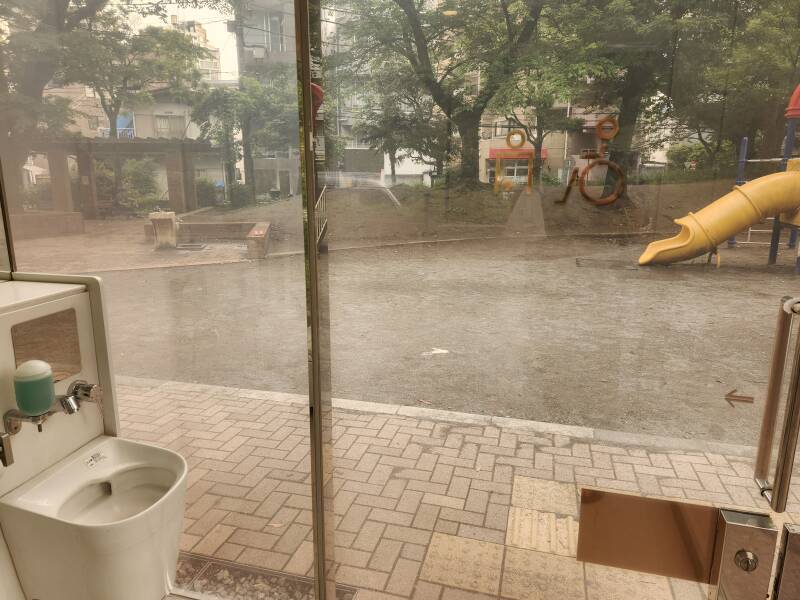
<point x="5" y="217"/>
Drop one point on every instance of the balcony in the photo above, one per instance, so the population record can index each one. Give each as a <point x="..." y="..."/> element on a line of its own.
<point x="122" y="133"/>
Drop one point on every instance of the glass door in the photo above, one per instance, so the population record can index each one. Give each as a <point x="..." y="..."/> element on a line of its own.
<point x="157" y="146"/>
<point x="507" y="327"/>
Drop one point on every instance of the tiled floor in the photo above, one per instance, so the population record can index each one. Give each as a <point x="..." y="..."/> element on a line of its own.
<point x="429" y="505"/>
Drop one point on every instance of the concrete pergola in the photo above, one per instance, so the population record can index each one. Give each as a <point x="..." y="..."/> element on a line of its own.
<point x="177" y="156"/>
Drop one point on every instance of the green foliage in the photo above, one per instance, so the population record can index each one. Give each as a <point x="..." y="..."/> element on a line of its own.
<point x="139" y="183"/>
<point x="444" y="54"/>
<point x="265" y="105"/>
<point x="140" y="190"/>
<point x="239" y="195"/>
<point x="206" y="192"/>
<point x="124" y="66"/>
<point x="38" y="197"/>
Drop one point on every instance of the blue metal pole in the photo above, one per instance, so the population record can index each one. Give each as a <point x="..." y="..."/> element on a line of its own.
<point x="740" y="180"/>
<point x="788" y="148"/>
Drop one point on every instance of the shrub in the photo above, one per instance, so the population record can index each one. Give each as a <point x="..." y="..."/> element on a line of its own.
<point x="206" y="192"/>
<point x="238" y="195"/>
<point x="139" y="182"/>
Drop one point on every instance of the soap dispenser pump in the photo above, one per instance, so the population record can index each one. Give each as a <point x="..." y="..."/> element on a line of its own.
<point x="34" y="387"/>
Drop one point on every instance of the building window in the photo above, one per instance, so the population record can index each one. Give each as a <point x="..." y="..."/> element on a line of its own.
<point x="501" y="128"/>
<point x="93" y="122"/>
<point x="276" y="34"/>
<point x="170" y="126"/>
<point x="516" y="170"/>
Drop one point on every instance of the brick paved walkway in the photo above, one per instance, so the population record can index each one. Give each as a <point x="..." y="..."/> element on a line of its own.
<point x="429" y="505"/>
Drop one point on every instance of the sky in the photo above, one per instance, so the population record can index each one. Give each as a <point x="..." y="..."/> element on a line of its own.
<point x="215" y="24"/>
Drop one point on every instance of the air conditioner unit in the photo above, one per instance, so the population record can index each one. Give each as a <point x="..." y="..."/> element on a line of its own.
<point x="258" y="53"/>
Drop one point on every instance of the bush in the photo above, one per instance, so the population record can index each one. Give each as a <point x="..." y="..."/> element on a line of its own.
<point x="206" y="192"/>
<point x="38" y="197"/>
<point x="238" y="195"/>
<point x="139" y="183"/>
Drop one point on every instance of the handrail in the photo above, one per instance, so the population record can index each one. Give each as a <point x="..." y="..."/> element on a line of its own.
<point x="321" y="214"/>
<point x="777" y="492"/>
<point x="768" y="421"/>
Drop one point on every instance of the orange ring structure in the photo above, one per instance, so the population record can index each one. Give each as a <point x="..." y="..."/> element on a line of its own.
<point x="514" y="132"/>
<point x="619" y="186"/>
<point x="606" y="134"/>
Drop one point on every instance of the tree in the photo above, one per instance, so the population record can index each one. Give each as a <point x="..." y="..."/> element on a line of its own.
<point x="556" y="73"/>
<point x="382" y="127"/>
<point x="31" y="57"/>
<point x="461" y="61"/>
<point x="398" y="117"/>
<point x="636" y="41"/>
<point x="124" y="67"/>
<point x="270" y="110"/>
<point x="750" y="67"/>
<point x="217" y="112"/>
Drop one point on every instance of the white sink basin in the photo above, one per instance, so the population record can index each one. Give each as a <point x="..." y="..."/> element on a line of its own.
<point x="102" y="524"/>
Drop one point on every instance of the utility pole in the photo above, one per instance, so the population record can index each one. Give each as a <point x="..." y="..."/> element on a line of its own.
<point x="247" y="147"/>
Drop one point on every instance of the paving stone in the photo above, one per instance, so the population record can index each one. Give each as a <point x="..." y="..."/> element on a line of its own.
<point x="369" y="536"/>
<point x="463" y="563"/>
<point x="530" y="575"/>
<point x="401" y="582"/>
<point x="403" y="481"/>
<point x="542" y="531"/>
<point x="361" y="578"/>
<point x="544" y="495"/>
<point x="385" y="555"/>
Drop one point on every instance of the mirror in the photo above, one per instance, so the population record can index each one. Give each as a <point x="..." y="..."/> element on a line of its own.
<point x="52" y="338"/>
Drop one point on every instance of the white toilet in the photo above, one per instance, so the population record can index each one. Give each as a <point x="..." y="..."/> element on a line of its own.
<point x="104" y="523"/>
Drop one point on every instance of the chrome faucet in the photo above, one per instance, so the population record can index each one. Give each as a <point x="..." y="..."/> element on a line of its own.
<point x="78" y="392"/>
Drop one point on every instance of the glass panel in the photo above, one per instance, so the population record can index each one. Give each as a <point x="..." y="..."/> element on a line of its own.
<point x="5" y="259"/>
<point x="496" y="345"/>
<point x="53" y="339"/>
<point x="156" y="145"/>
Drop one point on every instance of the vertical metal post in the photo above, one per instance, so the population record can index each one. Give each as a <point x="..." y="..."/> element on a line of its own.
<point x="318" y="387"/>
<point x="5" y="216"/>
<point x="788" y="148"/>
<point x="770" y="417"/>
<point x="791" y="429"/>
<point x="740" y="180"/>
<point x="787" y="572"/>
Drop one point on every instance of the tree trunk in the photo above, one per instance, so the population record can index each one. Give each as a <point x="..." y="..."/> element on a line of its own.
<point x="247" y="160"/>
<point x="468" y="125"/>
<point x="774" y="133"/>
<point x="393" y="166"/>
<point x="538" y="144"/>
<point x="116" y="194"/>
<point x="620" y="147"/>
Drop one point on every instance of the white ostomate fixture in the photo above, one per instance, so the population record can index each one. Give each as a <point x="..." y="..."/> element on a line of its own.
<point x="84" y="515"/>
<point x="102" y="524"/>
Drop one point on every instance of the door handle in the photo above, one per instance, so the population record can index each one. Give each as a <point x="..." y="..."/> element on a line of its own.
<point x="777" y="491"/>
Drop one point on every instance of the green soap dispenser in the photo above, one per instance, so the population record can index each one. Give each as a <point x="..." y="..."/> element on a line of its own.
<point x="34" y="387"/>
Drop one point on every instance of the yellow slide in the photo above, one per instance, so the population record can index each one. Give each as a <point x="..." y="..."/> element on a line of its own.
<point x="747" y="204"/>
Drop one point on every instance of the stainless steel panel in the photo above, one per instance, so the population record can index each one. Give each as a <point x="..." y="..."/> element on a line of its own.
<point x="787" y="579"/>
<point x="664" y="537"/>
<point x="53" y="339"/>
<point x="743" y="556"/>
